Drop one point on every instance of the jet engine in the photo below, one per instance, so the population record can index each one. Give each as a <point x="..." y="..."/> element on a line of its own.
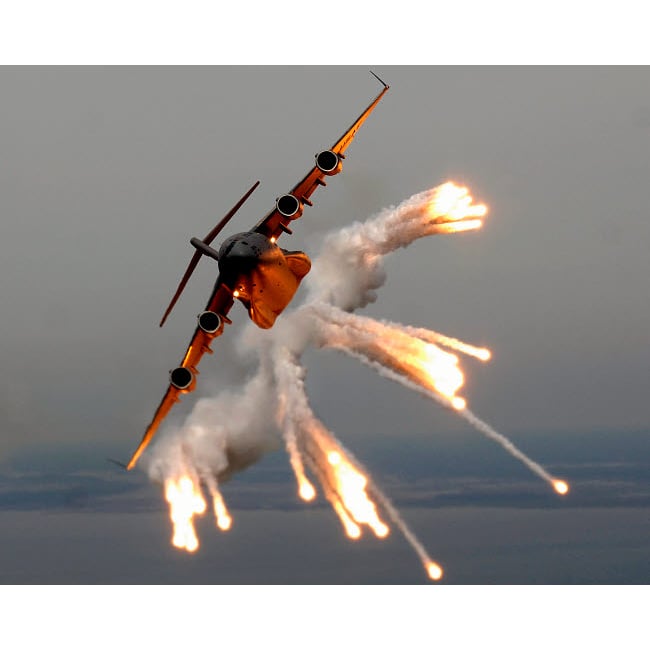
<point x="329" y="162"/>
<point x="210" y="322"/>
<point x="183" y="379"/>
<point x="289" y="206"/>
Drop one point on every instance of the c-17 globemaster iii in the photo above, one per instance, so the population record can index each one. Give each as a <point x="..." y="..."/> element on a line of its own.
<point x="252" y="269"/>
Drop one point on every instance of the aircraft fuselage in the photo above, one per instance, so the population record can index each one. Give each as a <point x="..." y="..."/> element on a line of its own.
<point x="261" y="275"/>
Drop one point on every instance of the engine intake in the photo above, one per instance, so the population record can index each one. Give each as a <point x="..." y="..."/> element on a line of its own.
<point x="328" y="162"/>
<point x="289" y="206"/>
<point x="210" y="322"/>
<point x="181" y="378"/>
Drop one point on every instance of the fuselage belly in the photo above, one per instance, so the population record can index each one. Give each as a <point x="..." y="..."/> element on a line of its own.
<point x="261" y="275"/>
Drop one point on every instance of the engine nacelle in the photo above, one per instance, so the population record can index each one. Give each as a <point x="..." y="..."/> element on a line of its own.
<point x="289" y="206"/>
<point x="210" y="322"/>
<point x="183" y="379"/>
<point x="329" y="162"/>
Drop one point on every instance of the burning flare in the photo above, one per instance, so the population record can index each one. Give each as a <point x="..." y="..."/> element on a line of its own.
<point x="441" y="369"/>
<point x="350" y="484"/>
<point x="452" y="203"/>
<point x="306" y="490"/>
<point x="346" y="276"/>
<point x="345" y="483"/>
<point x="222" y="516"/>
<point x="561" y="487"/>
<point x="449" y="342"/>
<point x="407" y="351"/>
<point x="185" y="500"/>
<point x="434" y="570"/>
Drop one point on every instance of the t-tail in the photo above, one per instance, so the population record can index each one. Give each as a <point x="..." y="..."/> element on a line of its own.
<point x="203" y="248"/>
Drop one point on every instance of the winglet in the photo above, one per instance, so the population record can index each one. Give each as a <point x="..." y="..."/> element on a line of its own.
<point x="383" y="83"/>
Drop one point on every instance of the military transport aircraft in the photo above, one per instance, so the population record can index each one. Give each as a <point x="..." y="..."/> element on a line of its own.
<point x="252" y="269"/>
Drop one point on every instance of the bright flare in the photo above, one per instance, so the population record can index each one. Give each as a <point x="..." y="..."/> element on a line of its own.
<point x="484" y="354"/>
<point x="350" y="484"/>
<point x="459" y="403"/>
<point x="410" y="351"/>
<point x="434" y="570"/>
<point x="351" y="529"/>
<point x="451" y="227"/>
<point x="442" y="372"/>
<point x="307" y="491"/>
<point x="334" y="458"/>
<point x="454" y="203"/>
<point x="223" y="518"/>
<point x="561" y="487"/>
<point x="185" y="501"/>
<point x="448" y="342"/>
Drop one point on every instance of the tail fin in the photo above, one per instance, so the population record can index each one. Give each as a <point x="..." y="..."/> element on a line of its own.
<point x="197" y="255"/>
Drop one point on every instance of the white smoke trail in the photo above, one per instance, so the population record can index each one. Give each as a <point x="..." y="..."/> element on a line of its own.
<point x="292" y="377"/>
<point x="349" y="269"/>
<point x="222" y="434"/>
<point x="488" y="431"/>
<point x="481" y="426"/>
<point x="226" y="433"/>
<point x="354" y="335"/>
<point x="221" y="514"/>
<point x="307" y="437"/>
<point x="293" y="409"/>
<point x="388" y="373"/>
<point x="448" y="341"/>
<point x="390" y="345"/>
<point x="433" y="568"/>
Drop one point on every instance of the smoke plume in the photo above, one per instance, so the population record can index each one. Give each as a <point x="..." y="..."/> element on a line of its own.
<point x="226" y="433"/>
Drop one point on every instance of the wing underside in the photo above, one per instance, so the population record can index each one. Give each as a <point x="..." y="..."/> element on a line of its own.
<point x="220" y="303"/>
<point x="274" y="223"/>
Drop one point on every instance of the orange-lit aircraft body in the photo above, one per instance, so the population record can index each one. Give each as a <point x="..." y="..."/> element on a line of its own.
<point x="252" y="269"/>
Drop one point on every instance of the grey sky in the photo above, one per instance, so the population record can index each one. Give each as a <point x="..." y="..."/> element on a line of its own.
<point x="107" y="172"/>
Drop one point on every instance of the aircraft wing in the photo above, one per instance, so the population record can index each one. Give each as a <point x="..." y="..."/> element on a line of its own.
<point x="220" y="303"/>
<point x="274" y="223"/>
